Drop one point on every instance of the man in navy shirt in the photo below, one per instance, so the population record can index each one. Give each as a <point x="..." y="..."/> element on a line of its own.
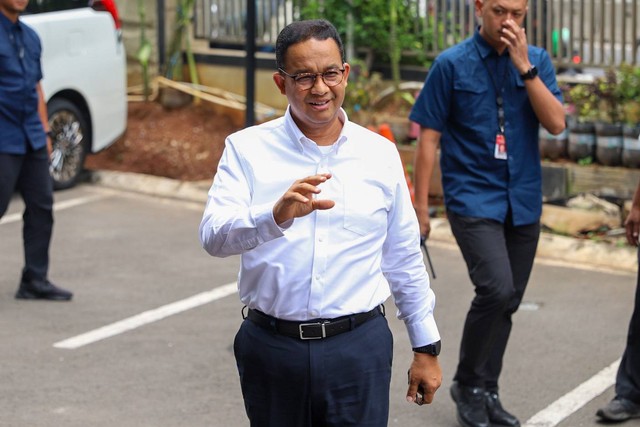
<point x="25" y="148"/>
<point x="483" y="102"/>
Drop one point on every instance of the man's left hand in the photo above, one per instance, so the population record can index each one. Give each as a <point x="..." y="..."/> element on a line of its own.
<point x="425" y="377"/>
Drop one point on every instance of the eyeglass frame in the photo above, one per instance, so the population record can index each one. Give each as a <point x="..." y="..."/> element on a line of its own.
<point x="315" y="76"/>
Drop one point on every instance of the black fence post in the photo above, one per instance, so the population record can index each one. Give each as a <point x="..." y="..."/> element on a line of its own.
<point x="250" y="64"/>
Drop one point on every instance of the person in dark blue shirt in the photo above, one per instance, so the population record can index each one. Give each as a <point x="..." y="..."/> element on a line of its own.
<point x="483" y="102"/>
<point x="25" y="147"/>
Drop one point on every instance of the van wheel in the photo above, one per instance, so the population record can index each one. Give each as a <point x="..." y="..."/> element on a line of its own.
<point x="71" y="141"/>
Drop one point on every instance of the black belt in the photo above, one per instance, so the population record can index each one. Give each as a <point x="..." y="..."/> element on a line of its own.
<point x="312" y="329"/>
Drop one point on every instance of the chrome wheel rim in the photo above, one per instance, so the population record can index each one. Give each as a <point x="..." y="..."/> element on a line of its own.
<point x="68" y="148"/>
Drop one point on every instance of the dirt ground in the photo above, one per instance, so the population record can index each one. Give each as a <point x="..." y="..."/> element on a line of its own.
<point x="184" y="143"/>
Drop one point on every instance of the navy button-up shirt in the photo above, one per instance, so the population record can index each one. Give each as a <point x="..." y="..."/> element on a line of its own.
<point x="459" y="100"/>
<point x="20" y="72"/>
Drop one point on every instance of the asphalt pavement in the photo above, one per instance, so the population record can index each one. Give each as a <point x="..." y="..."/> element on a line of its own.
<point x="147" y="340"/>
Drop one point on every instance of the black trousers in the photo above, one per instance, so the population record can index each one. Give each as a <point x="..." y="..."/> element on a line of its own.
<point x="339" y="381"/>
<point x="29" y="174"/>
<point x="628" y="377"/>
<point x="499" y="258"/>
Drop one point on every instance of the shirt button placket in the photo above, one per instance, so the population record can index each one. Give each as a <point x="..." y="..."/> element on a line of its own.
<point x="319" y="253"/>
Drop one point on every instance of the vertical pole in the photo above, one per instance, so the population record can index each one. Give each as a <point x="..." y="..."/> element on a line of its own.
<point x="250" y="65"/>
<point x="350" y="49"/>
<point x="161" y="35"/>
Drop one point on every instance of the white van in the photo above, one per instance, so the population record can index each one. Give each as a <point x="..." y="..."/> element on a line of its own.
<point x="85" y="79"/>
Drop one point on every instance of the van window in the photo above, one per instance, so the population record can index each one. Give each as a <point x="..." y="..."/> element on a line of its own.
<point x="40" y="6"/>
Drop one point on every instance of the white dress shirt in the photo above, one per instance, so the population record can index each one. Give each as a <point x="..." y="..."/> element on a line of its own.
<point x="330" y="263"/>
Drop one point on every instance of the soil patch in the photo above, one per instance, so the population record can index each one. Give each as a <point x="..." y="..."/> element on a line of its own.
<point x="184" y="143"/>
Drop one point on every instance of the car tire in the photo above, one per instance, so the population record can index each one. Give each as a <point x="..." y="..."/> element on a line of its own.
<point x="71" y="141"/>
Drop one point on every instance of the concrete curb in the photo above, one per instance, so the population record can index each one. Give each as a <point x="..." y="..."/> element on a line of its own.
<point x="195" y="191"/>
<point x="552" y="247"/>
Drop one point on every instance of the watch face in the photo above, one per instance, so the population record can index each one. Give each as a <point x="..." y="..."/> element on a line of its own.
<point x="436" y="348"/>
<point x="533" y="72"/>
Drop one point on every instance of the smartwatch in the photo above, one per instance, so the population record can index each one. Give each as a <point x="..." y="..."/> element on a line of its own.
<point x="531" y="74"/>
<point x="432" y="349"/>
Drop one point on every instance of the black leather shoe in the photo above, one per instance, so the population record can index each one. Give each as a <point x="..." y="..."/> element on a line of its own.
<point x="471" y="406"/>
<point x="497" y="415"/>
<point x="42" y="289"/>
<point x="619" y="409"/>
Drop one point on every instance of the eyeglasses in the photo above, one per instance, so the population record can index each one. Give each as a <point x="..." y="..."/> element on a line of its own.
<point x="305" y="81"/>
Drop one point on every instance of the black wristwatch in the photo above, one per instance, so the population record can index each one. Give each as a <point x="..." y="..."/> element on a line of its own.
<point x="432" y="349"/>
<point x="531" y="74"/>
<point x="51" y="134"/>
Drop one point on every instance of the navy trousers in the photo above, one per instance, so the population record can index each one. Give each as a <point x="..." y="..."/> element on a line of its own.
<point x="499" y="257"/>
<point x="628" y="377"/>
<point x="29" y="174"/>
<point x="339" y="381"/>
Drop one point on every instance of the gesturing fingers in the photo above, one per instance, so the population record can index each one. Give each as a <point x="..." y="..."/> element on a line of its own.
<point x="299" y="199"/>
<point x="307" y="187"/>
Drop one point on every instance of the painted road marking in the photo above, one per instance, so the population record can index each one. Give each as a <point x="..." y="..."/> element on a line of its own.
<point x="58" y="206"/>
<point x="147" y="317"/>
<point x="551" y="416"/>
<point x="562" y="408"/>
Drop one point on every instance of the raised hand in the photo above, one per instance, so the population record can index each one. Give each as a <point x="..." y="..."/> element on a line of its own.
<point x="299" y="200"/>
<point x="515" y="37"/>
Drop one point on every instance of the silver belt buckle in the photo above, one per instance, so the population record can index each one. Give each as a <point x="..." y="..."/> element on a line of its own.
<point x="302" y="325"/>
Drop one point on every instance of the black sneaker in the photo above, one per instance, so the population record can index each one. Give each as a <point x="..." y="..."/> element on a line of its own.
<point x="42" y="289"/>
<point x="471" y="409"/>
<point x="619" y="409"/>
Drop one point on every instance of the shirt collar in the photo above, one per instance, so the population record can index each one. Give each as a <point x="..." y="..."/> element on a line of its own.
<point x="8" y="25"/>
<point x="484" y="48"/>
<point x="299" y="138"/>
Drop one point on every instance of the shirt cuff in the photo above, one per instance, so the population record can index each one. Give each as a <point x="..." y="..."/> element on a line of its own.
<point x="424" y="332"/>
<point x="265" y="223"/>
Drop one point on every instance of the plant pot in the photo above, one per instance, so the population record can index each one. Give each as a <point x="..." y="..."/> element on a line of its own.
<point x="582" y="140"/>
<point x="631" y="146"/>
<point x="552" y="147"/>
<point x="609" y="143"/>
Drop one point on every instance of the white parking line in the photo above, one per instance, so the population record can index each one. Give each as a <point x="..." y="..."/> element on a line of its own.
<point x="147" y="317"/>
<point x="58" y="206"/>
<point x="562" y="408"/>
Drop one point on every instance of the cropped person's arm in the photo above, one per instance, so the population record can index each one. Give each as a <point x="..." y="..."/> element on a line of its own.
<point x="425" y="159"/>
<point x="632" y="223"/>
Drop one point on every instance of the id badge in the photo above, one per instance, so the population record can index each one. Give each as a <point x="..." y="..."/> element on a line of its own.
<point x="500" y="151"/>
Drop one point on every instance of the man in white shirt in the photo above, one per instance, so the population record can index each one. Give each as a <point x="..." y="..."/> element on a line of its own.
<point x="319" y="209"/>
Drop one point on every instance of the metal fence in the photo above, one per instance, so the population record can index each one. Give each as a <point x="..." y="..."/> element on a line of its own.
<point x="576" y="33"/>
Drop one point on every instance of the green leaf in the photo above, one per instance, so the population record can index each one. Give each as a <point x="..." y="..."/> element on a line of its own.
<point x="144" y="53"/>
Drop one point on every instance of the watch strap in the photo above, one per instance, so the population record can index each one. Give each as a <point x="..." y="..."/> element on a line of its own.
<point x="432" y="349"/>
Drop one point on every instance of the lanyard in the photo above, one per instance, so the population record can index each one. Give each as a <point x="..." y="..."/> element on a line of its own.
<point x="498" y="89"/>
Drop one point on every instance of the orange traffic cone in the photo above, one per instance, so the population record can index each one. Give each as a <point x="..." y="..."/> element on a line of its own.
<point x="385" y="130"/>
